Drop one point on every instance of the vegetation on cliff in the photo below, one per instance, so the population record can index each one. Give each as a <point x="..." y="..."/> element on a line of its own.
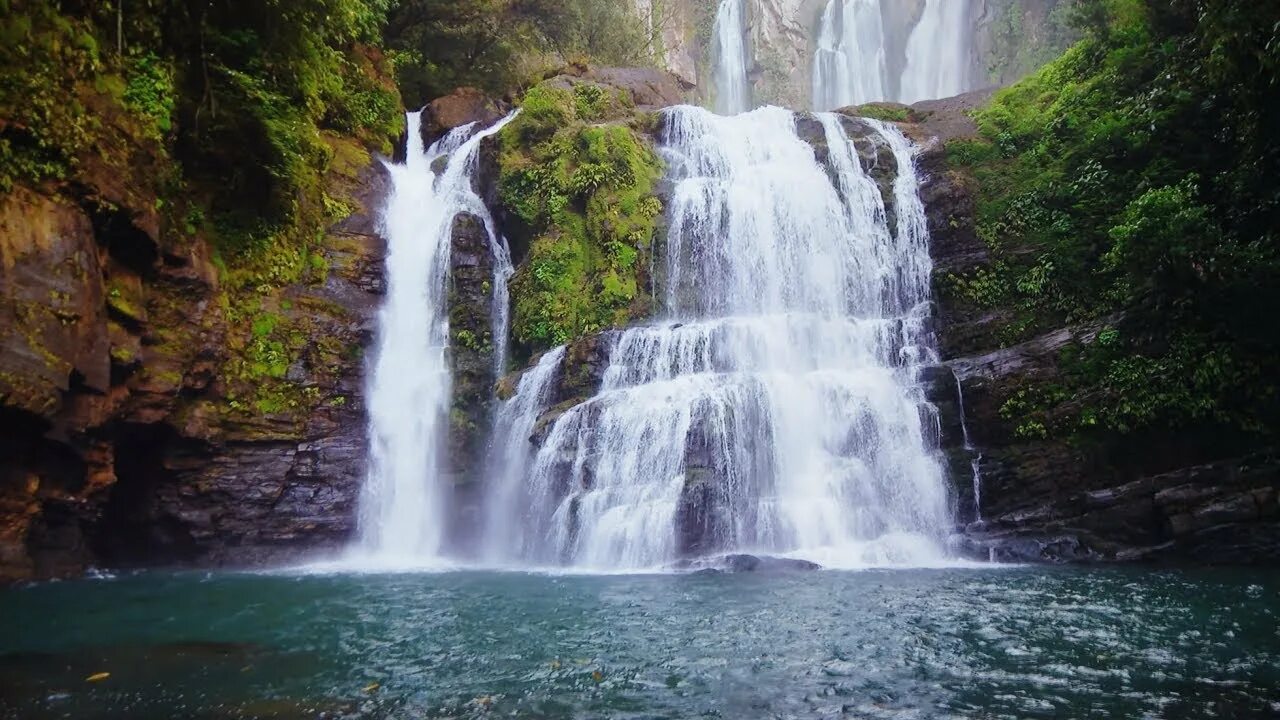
<point x="221" y="131"/>
<point x="583" y="191"/>
<point x="501" y="45"/>
<point x="1134" y="184"/>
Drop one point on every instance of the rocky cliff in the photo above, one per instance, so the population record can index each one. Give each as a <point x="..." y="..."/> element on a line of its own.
<point x="1080" y="498"/>
<point x="1010" y="38"/>
<point x="155" y="412"/>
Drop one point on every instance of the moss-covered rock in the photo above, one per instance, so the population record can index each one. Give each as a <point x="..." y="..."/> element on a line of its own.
<point x="579" y="181"/>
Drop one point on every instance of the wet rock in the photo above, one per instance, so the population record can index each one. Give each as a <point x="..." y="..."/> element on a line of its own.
<point x="471" y="342"/>
<point x="1046" y="548"/>
<point x="118" y="441"/>
<point x="1235" y="520"/>
<point x="54" y="339"/>
<point x="585" y="363"/>
<point x="645" y="89"/>
<point x="742" y="563"/>
<point x="460" y="107"/>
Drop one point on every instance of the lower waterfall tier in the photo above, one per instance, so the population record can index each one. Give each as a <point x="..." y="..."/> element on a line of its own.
<point x="778" y="409"/>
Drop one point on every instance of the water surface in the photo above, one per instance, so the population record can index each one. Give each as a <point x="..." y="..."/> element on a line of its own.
<point x="990" y="643"/>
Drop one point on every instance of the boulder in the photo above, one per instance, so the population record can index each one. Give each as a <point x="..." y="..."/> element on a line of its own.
<point x="460" y="107"/>
<point x="743" y="563"/>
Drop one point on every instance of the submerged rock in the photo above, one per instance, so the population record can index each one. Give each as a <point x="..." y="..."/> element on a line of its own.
<point x="743" y="563"/>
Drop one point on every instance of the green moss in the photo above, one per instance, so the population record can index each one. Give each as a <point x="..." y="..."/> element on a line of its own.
<point x="122" y="355"/>
<point x="586" y="193"/>
<point x="885" y="112"/>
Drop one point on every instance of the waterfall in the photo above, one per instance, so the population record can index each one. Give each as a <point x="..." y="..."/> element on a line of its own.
<point x="510" y="455"/>
<point x="402" y="503"/>
<point x="850" y="65"/>
<point x="860" y="55"/>
<point x="732" y="88"/>
<point x="975" y="457"/>
<point x="937" y="53"/>
<point x="775" y="406"/>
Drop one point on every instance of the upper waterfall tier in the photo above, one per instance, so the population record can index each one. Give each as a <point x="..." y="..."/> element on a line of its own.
<point x="862" y="54"/>
<point x="775" y="408"/>
<point x="731" y="58"/>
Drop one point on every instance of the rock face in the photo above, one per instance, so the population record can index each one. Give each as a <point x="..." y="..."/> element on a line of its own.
<point x="646" y="89"/>
<point x="1054" y="500"/>
<point x="1221" y="513"/>
<point x="471" y="341"/>
<point x="126" y="436"/>
<point x="462" y="106"/>
<point x="749" y="564"/>
<point x="1010" y="38"/>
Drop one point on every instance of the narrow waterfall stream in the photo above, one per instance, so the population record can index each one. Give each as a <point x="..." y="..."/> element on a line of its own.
<point x="775" y="407"/>
<point x="862" y="56"/>
<point x="975" y="455"/>
<point x="732" y="87"/>
<point x="403" y="504"/>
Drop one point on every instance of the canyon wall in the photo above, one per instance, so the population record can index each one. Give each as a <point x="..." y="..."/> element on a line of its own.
<point x="1010" y="38"/>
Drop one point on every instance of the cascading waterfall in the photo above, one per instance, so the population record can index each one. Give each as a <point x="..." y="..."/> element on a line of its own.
<point x="402" y="504"/>
<point x="510" y="454"/>
<point x="858" y="59"/>
<point x="732" y="87"/>
<point x="776" y="408"/>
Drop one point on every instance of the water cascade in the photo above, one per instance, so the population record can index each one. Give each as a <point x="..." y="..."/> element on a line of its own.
<point x="510" y="455"/>
<point x="732" y="88"/>
<point x="862" y="55"/>
<point x="937" y="53"/>
<point x="775" y="406"/>
<point x="975" y="456"/>
<point x="850" y="65"/>
<point x="402" y="504"/>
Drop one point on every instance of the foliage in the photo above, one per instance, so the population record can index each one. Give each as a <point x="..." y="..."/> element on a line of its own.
<point x="585" y="192"/>
<point x="499" y="45"/>
<point x="244" y="124"/>
<point x="1017" y="50"/>
<point x="887" y="112"/>
<point x="1136" y="182"/>
<point x="149" y="91"/>
<point x="231" y="97"/>
<point x="49" y="60"/>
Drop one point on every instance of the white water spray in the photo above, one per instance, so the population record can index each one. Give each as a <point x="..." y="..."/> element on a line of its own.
<point x="510" y="454"/>
<point x="732" y="87"/>
<point x="403" y="501"/>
